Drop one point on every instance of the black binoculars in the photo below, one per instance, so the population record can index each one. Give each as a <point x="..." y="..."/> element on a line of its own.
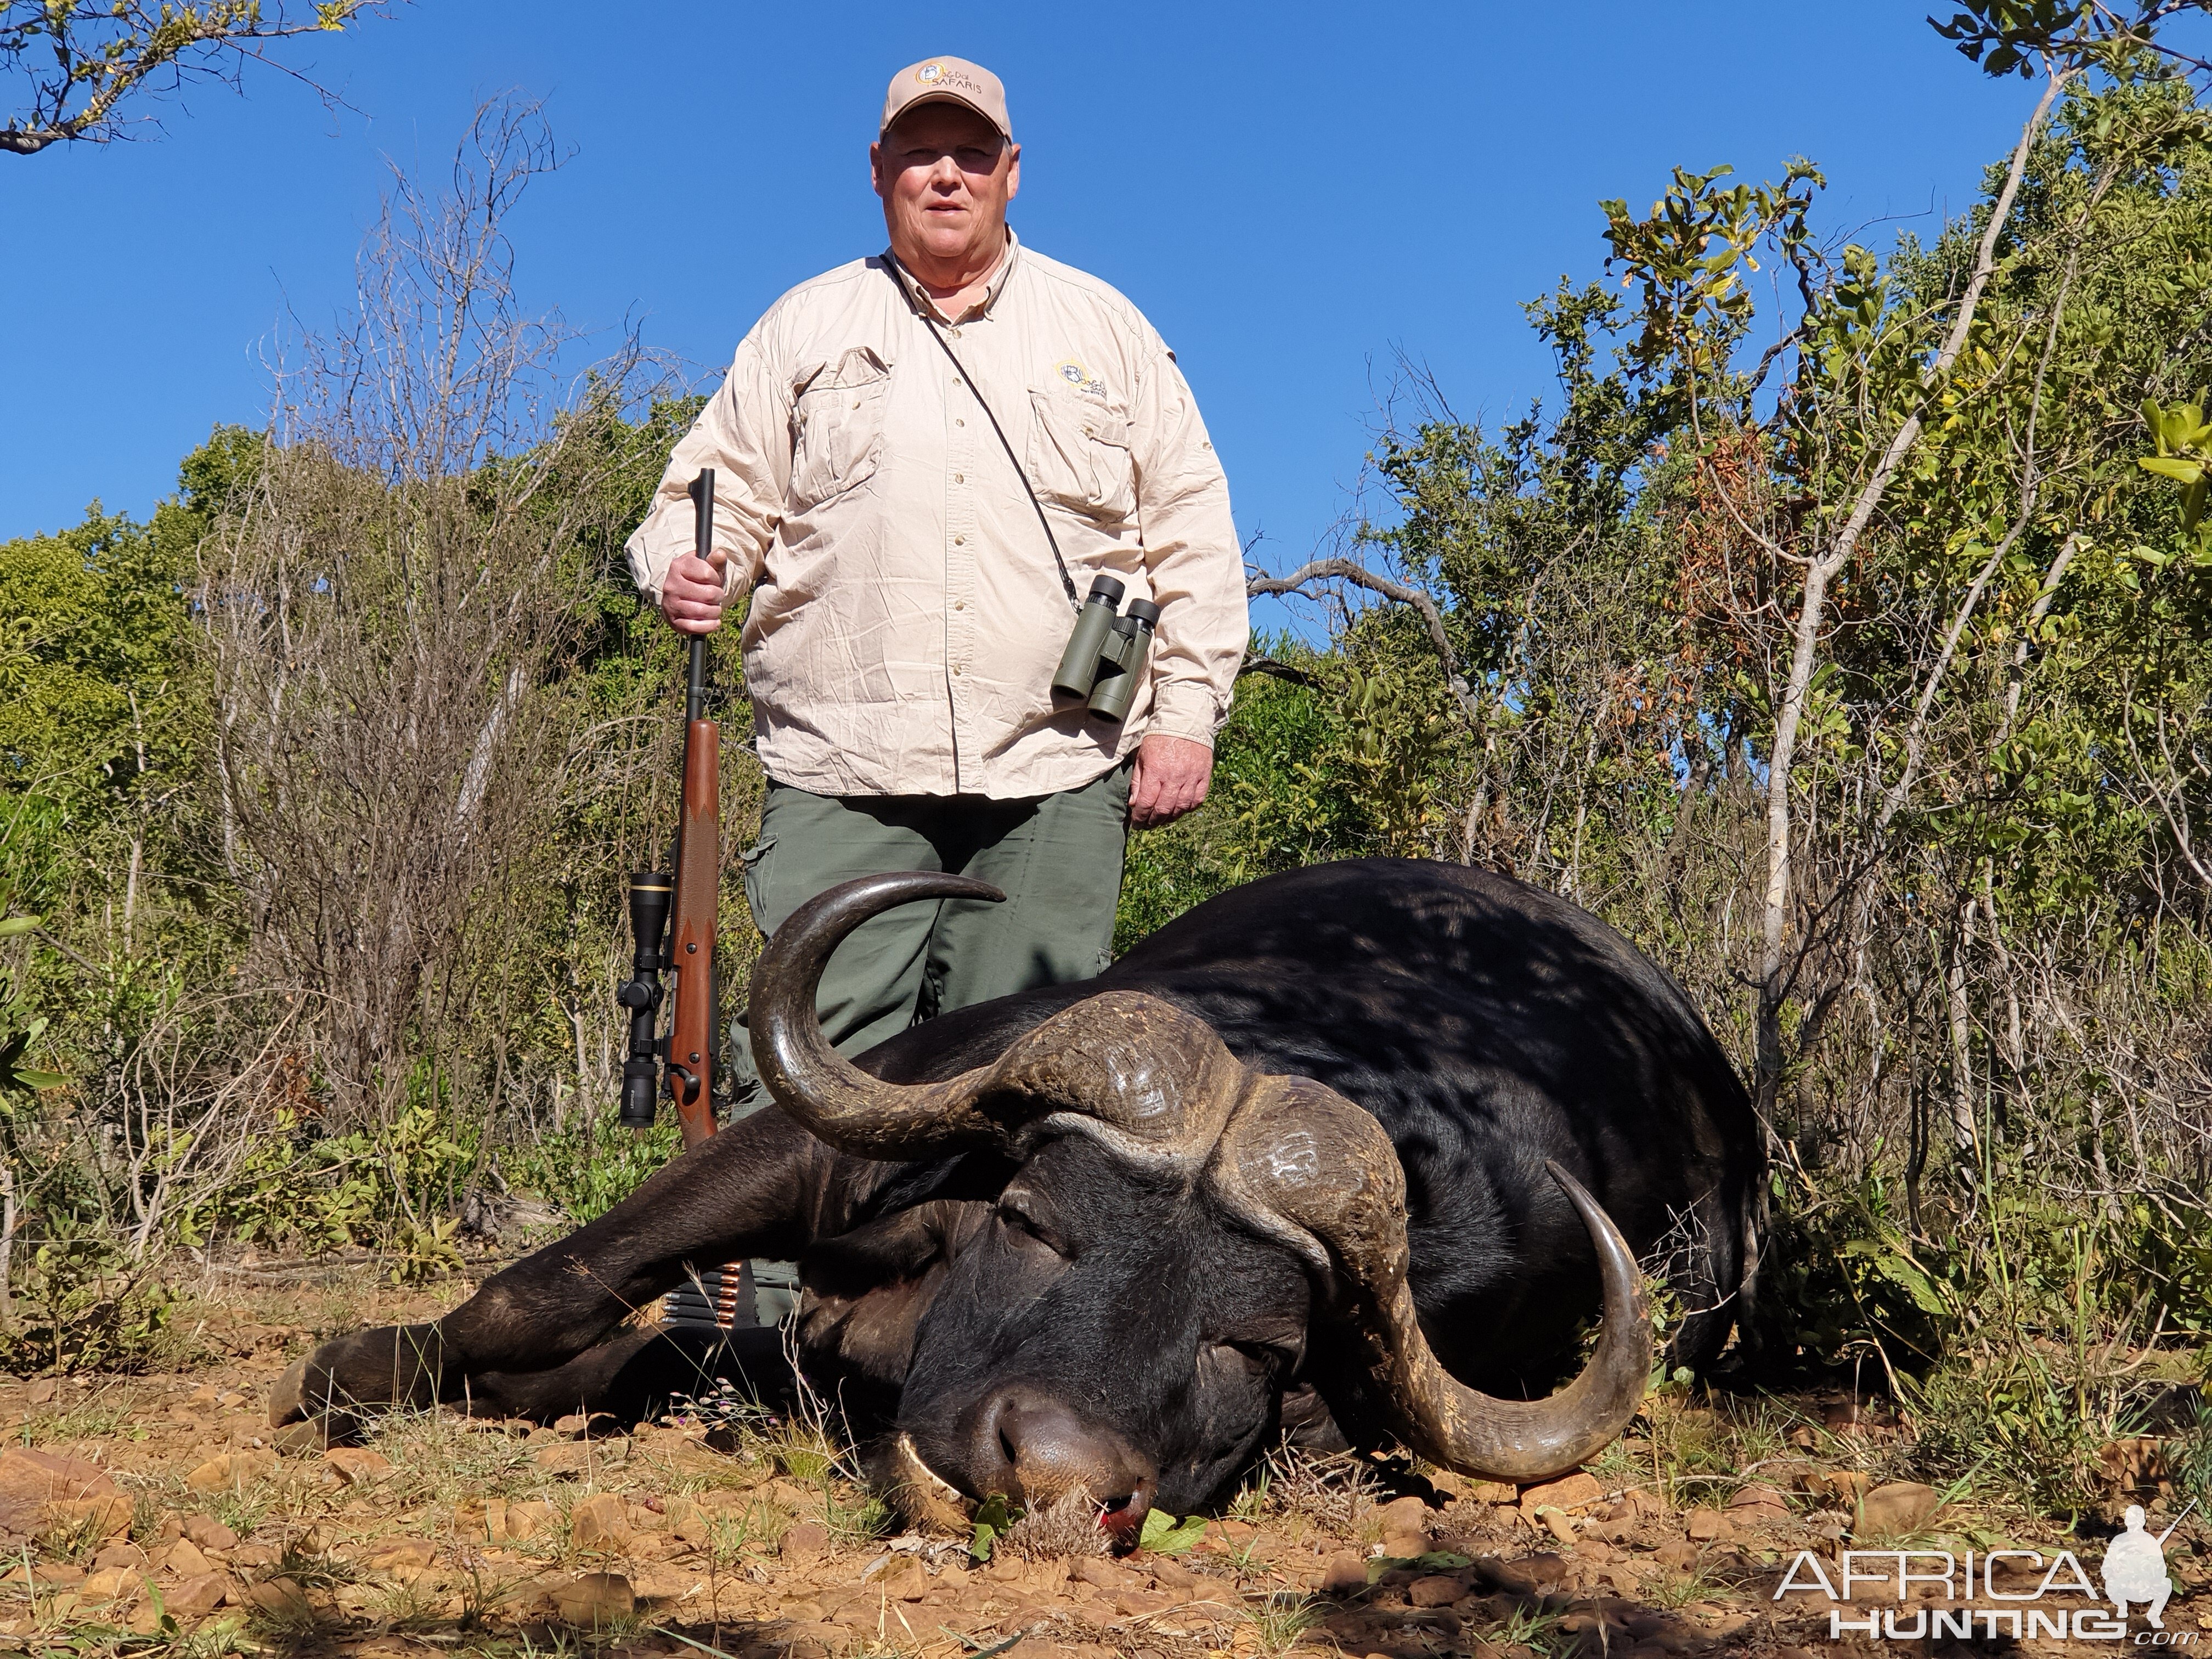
<point x="1105" y="662"/>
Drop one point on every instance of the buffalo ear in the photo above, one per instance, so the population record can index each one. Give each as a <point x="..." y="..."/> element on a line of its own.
<point x="1308" y="1423"/>
<point x="867" y="1289"/>
<point x="899" y="1248"/>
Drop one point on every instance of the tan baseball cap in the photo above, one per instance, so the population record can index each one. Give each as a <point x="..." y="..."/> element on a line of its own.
<point x="947" y="80"/>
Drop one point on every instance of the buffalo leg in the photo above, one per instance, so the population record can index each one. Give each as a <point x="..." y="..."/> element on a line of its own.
<point x="757" y="1189"/>
<point x="633" y="1373"/>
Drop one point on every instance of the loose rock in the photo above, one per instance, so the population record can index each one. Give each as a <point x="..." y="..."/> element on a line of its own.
<point x="595" y="1598"/>
<point x="524" y="1520"/>
<point x="1344" y="1575"/>
<point x="32" y="1481"/>
<point x="1575" y="1491"/>
<point x="1436" y="1590"/>
<point x="281" y="1599"/>
<point x="401" y="1557"/>
<point x="600" y="1523"/>
<point x="209" y="1533"/>
<point x="1839" y="1486"/>
<point x="114" y="1583"/>
<point x="231" y="1471"/>
<point x="197" y="1596"/>
<point x="80" y="1518"/>
<point x="357" y="1464"/>
<point x="1758" y="1502"/>
<point x="1902" y="1506"/>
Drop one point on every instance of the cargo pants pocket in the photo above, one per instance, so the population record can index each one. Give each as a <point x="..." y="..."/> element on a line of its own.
<point x="755" y="875"/>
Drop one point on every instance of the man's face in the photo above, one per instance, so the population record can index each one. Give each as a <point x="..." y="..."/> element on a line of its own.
<point x="946" y="175"/>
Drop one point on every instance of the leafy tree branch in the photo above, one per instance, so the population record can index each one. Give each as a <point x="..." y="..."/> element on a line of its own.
<point x="76" y="61"/>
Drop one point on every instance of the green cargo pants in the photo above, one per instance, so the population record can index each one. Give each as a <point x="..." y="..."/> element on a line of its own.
<point x="1057" y="858"/>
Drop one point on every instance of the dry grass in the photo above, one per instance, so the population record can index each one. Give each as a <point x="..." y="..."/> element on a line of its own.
<point x="1067" y="1525"/>
<point x="1332" y="1493"/>
<point x="438" y="1457"/>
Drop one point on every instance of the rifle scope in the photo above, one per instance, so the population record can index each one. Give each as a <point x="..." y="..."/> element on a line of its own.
<point x="649" y="896"/>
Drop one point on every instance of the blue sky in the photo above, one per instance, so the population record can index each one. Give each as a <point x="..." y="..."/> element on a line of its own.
<point x="1293" y="193"/>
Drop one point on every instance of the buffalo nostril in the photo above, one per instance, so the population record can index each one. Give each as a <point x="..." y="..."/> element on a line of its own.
<point x="1037" y="1450"/>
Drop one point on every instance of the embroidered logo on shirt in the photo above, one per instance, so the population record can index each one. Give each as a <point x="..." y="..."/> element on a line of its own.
<point x="1080" y="377"/>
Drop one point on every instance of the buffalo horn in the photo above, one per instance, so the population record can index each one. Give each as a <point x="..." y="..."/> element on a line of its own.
<point x="1149" y="1080"/>
<point x="1324" y="1166"/>
<point x="813" y="1082"/>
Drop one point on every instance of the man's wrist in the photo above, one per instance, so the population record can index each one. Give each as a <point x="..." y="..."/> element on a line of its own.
<point x="1181" y="709"/>
<point x="1154" y="729"/>
<point x="1174" y="723"/>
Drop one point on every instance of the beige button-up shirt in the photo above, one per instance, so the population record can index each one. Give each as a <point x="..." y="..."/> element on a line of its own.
<point x="907" y="615"/>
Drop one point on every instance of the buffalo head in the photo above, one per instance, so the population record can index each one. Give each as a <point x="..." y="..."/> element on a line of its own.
<point x="1180" y="1241"/>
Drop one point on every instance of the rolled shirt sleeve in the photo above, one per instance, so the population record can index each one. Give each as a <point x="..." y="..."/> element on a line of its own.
<point x="1191" y="554"/>
<point x="745" y="434"/>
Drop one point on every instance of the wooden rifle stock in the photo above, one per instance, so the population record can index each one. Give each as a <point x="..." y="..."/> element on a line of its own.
<point x="691" y="1035"/>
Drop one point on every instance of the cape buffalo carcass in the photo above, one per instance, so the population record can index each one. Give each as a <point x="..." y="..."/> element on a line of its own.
<point x="1370" y="1141"/>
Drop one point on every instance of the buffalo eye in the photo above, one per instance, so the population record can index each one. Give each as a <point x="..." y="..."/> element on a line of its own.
<point x="1018" y="1221"/>
<point x="1258" y="1358"/>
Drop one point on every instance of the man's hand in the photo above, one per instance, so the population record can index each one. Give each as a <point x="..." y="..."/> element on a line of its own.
<point x="1172" y="774"/>
<point x="691" y="596"/>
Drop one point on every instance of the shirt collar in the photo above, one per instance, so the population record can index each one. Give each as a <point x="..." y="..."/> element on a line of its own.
<point x="919" y="298"/>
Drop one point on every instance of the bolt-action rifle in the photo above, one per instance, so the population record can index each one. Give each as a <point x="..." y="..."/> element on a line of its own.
<point x="694" y="895"/>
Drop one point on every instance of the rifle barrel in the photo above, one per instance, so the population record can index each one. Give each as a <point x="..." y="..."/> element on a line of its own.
<point x="702" y="543"/>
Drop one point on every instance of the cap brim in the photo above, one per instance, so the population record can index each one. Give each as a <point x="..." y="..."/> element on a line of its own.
<point x="934" y="97"/>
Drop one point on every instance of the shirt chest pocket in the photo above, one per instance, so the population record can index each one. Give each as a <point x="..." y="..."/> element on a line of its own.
<point x="838" y="428"/>
<point x="1079" y="456"/>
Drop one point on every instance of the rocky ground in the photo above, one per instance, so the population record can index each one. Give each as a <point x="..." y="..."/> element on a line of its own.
<point x="156" y="1513"/>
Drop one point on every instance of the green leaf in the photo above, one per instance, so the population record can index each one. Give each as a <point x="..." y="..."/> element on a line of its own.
<point x="2181" y="472"/>
<point x="1165" y="1535"/>
<point x="14" y="926"/>
<point x="994" y="1518"/>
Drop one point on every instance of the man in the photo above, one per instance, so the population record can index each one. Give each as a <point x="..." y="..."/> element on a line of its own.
<point x="2134" y="1569"/>
<point x="918" y="457"/>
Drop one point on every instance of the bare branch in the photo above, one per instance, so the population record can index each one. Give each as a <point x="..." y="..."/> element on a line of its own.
<point x="1358" y="575"/>
<point x="1812" y="615"/>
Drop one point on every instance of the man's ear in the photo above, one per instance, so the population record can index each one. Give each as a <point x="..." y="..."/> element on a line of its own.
<point x="1014" y="174"/>
<point x="876" y="169"/>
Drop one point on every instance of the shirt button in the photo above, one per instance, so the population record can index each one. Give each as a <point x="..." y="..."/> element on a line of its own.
<point x="955" y="668"/>
<point x="960" y="477"/>
<point x="959" y="605"/>
<point x="960" y="541"/>
<point x="957" y="420"/>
